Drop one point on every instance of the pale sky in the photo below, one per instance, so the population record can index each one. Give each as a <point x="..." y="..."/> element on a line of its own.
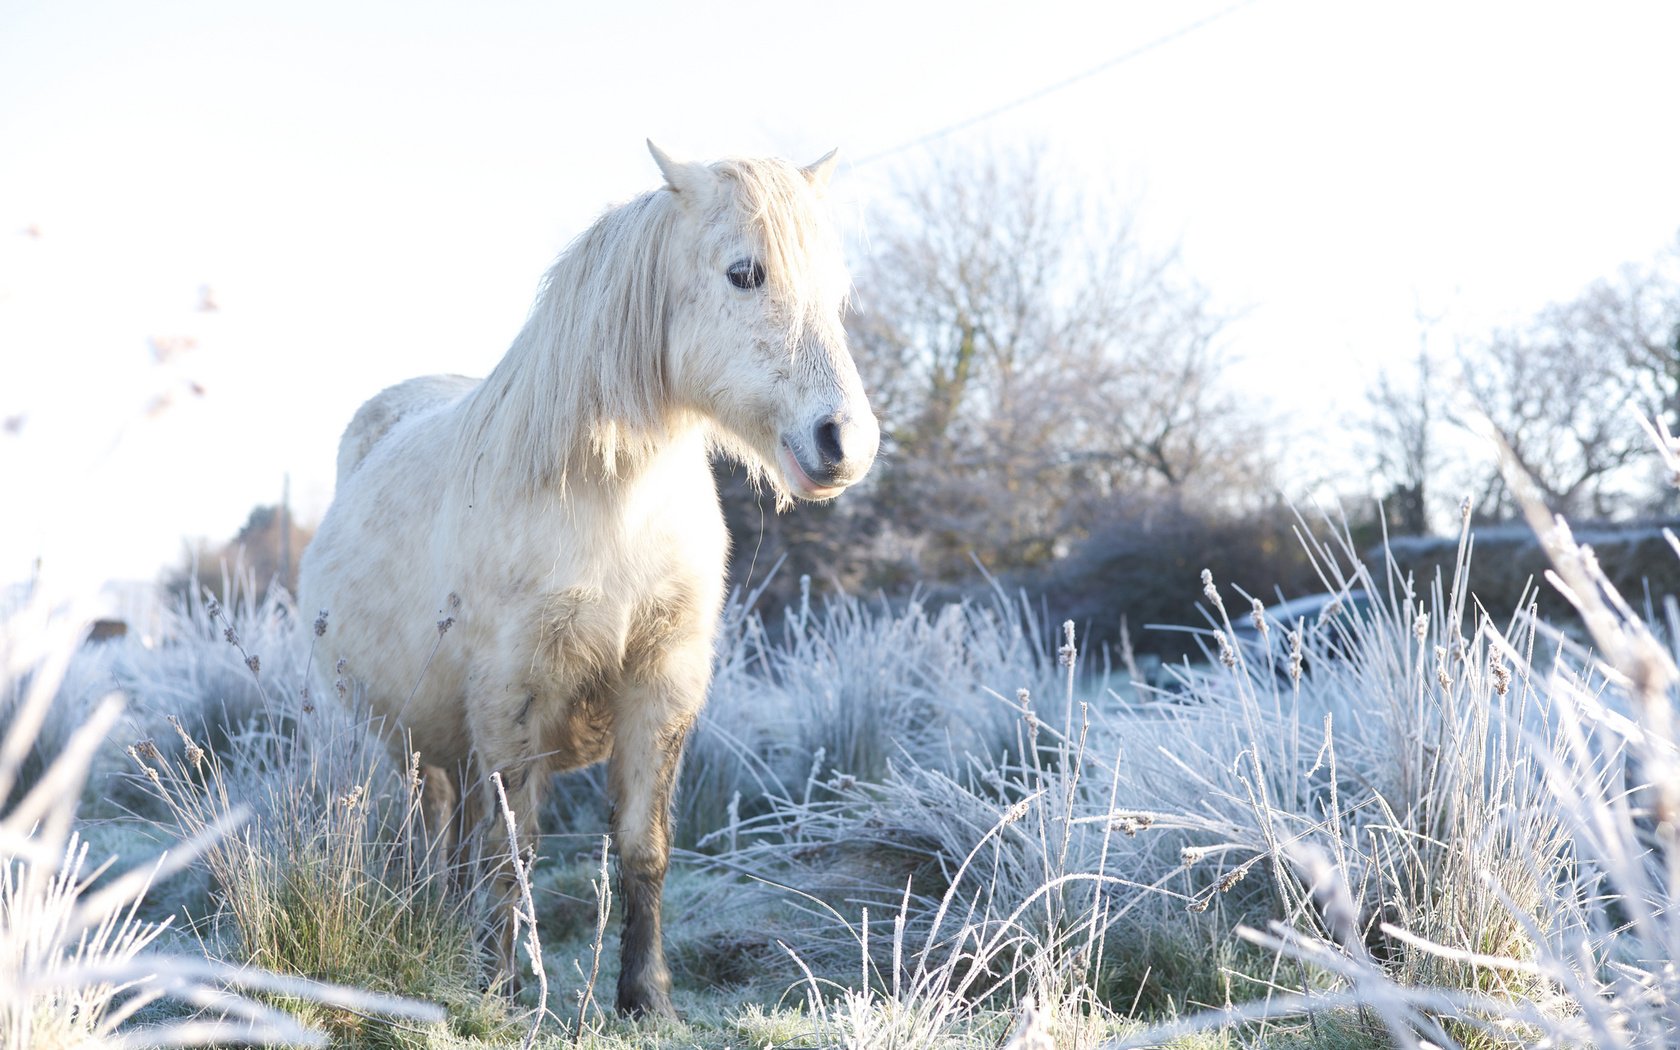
<point x="371" y="191"/>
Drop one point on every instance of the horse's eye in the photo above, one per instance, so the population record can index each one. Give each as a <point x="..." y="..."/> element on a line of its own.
<point x="746" y="273"/>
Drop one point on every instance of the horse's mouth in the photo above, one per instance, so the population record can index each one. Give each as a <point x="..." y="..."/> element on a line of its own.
<point x="802" y="485"/>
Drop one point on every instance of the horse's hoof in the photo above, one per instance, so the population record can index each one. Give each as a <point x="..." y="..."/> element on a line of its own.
<point x="655" y="1004"/>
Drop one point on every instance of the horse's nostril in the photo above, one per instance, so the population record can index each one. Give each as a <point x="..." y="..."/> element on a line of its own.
<point x="828" y="443"/>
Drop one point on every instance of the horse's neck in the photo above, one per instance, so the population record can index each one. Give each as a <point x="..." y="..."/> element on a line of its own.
<point x="540" y="418"/>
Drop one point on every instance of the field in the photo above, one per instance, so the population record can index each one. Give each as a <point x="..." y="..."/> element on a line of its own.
<point x="900" y="826"/>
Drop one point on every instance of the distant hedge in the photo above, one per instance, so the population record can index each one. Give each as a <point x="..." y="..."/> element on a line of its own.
<point x="1144" y="567"/>
<point x="1505" y="559"/>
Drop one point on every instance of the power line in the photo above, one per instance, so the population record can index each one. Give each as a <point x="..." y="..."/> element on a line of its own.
<point x="1125" y="56"/>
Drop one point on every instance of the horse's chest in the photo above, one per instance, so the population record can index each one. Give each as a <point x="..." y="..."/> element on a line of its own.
<point x="592" y="653"/>
<point x="586" y="637"/>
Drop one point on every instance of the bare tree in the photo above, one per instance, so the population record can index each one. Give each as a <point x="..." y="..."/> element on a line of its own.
<point x="1561" y="390"/>
<point x="1031" y="362"/>
<point x="266" y="545"/>
<point x="1402" y="424"/>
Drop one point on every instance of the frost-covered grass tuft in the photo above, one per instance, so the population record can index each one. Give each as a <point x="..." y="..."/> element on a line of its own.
<point x="79" y="966"/>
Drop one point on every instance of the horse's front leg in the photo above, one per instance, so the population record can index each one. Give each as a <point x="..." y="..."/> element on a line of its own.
<point x="504" y="722"/>
<point x="649" y="729"/>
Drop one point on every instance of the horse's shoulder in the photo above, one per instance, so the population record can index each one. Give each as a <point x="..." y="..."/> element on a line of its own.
<point x="383" y="411"/>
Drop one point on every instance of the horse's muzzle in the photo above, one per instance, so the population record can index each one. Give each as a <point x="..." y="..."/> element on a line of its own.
<point x="836" y="453"/>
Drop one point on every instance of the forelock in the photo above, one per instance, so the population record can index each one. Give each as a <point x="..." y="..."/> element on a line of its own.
<point x="790" y="224"/>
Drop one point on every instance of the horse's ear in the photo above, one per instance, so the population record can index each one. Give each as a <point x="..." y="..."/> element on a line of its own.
<point x="822" y="170"/>
<point x="692" y="183"/>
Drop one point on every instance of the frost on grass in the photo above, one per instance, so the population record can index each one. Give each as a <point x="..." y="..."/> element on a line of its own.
<point x="913" y="826"/>
<point x="78" y="966"/>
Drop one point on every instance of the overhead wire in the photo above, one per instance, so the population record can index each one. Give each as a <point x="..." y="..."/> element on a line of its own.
<point x="1060" y="85"/>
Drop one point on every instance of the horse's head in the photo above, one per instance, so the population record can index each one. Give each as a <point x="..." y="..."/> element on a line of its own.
<point x="755" y="338"/>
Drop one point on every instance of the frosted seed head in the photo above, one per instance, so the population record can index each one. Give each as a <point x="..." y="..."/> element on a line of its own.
<point x="1210" y="592"/>
<point x="195" y="754"/>
<point x="1500" y="673"/>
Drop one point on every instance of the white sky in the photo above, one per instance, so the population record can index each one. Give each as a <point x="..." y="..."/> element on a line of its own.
<point x="373" y="189"/>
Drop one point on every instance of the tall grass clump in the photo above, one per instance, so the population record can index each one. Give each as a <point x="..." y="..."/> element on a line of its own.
<point x="1510" y="881"/>
<point x="941" y="899"/>
<point x="334" y="876"/>
<point x="1420" y="821"/>
<point x="78" y="964"/>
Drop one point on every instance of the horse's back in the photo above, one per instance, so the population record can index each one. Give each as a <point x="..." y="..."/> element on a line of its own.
<point x="383" y="411"/>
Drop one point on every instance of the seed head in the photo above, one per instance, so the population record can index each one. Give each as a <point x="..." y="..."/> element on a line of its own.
<point x="1295" y="656"/>
<point x="444" y="625"/>
<point x="212" y="607"/>
<point x="253" y="663"/>
<point x="1193" y="855"/>
<point x="1227" y="655"/>
<point x="339" y="667"/>
<point x="1132" y="823"/>
<point x="350" y="800"/>
<point x="1501" y="674"/>
<point x="1027" y="714"/>
<point x="321" y="624"/>
<point x="149" y="749"/>
<point x="195" y="754"/>
<point x="1235" y="876"/>
<point x="1068" y="653"/>
<point x="1420" y="626"/>
<point x="1258" y="616"/>
<point x="231" y="636"/>
<point x="1210" y="592"/>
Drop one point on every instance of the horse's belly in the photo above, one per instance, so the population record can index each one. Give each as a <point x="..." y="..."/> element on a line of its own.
<point x="433" y="720"/>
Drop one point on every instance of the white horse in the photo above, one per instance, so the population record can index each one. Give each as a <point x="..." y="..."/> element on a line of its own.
<point x="562" y="513"/>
